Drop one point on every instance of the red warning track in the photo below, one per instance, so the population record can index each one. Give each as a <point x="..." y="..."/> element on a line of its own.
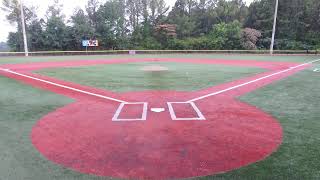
<point x="83" y="137"/>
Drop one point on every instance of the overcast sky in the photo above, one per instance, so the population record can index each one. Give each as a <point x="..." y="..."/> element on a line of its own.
<point x="68" y="5"/>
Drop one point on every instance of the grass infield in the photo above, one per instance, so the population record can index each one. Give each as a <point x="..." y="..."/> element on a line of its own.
<point x="131" y="77"/>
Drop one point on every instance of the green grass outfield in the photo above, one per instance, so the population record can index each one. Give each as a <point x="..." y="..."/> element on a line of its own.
<point x="294" y="101"/>
<point x="280" y="58"/>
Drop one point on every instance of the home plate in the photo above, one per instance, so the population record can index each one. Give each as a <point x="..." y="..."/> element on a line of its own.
<point x="157" y="110"/>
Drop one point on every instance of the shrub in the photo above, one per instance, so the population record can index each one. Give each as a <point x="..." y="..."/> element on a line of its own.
<point x="249" y="38"/>
<point x="225" y="36"/>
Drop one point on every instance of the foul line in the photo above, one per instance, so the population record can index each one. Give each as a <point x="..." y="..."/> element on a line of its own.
<point x="62" y="86"/>
<point x="190" y="101"/>
<point x="250" y="82"/>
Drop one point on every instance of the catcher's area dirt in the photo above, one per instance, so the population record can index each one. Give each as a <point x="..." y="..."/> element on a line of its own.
<point x="83" y="137"/>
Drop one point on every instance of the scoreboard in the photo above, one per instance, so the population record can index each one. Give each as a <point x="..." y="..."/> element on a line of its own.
<point x="90" y="43"/>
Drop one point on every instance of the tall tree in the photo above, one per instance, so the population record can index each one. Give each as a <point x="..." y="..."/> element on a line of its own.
<point x="229" y="11"/>
<point x="56" y="30"/>
<point x="181" y="16"/>
<point x="158" y="10"/>
<point x="206" y="16"/>
<point x="191" y="24"/>
<point x="4" y="47"/>
<point x="226" y="36"/>
<point x="312" y="22"/>
<point x="81" y="28"/>
<point x="36" y="37"/>
<point x="111" y="27"/>
<point x="260" y="17"/>
<point x="92" y="11"/>
<point x="12" y="8"/>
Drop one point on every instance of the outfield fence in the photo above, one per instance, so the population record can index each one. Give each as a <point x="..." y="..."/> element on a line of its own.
<point x="132" y="52"/>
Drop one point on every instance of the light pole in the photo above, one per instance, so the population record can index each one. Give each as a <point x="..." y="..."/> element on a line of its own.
<point x="25" y="41"/>
<point x="274" y="26"/>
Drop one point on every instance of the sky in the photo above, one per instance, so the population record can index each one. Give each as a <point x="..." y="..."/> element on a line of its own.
<point x="68" y="8"/>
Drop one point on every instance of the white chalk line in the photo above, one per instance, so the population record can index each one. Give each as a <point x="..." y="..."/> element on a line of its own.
<point x="193" y="105"/>
<point x="63" y="86"/>
<point x="250" y="82"/>
<point x="144" y="114"/>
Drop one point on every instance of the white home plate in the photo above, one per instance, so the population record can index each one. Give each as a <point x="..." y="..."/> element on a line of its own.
<point x="157" y="110"/>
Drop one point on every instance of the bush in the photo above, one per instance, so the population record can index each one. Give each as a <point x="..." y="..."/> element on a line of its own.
<point x="249" y="38"/>
<point x="285" y="44"/>
<point x="150" y="43"/>
<point x="200" y="43"/>
<point x="226" y="36"/>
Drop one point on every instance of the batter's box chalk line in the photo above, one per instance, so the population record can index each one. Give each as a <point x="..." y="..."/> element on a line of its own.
<point x="173" y="114"/>
<point x="120" y="110"/>
<point x="171" y="106"/>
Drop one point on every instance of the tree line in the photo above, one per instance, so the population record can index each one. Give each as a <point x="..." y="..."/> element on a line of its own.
<point x="151" y="24"/>
<point x="3" y="47"/>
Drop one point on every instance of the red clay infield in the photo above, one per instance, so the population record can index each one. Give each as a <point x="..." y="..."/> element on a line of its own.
<point x="83" y="137"/>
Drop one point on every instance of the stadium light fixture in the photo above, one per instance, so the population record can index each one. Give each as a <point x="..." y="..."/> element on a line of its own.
<point x="274" y="26"/>
<point x="25" y="41"/>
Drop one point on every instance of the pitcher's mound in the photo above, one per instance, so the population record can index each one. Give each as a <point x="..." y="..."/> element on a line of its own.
<point x="154" y="68"/>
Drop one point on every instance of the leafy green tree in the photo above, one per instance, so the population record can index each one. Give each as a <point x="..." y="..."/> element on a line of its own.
<point x="12" y="8"/>
<point x="148" y="24"/>
<point x="134" y="12"/>
<point x="260" y="16"/>
<point x="4" y="47"/>
<point x="312" y="22"/>
<point x="14" y="41"/>
<point x="55" y="28"/>
<point x="181" y="15"/>
<point x="81" y="28"/>
<point x="158" y="10"/>
<point x="226" y="36"/>
<point x="206" y="16"/>
<point x="36" y="37"/>
<point x="111" y="29"/>
<point x="295" y="25"/>
<point x="92" y="11"/>
<point x="165" y="34"/>
<point x="229" y="11"/>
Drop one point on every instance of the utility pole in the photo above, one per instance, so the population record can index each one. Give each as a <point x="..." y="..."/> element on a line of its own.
<point x="25" y="41"/>
<point x="274" y="26"/>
